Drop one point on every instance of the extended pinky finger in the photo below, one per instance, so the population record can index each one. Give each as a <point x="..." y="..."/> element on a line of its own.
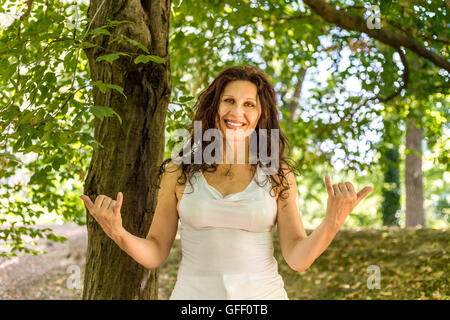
<point x="328" y="185"/>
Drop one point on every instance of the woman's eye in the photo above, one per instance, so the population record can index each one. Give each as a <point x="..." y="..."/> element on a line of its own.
<point x="231" y="100"/>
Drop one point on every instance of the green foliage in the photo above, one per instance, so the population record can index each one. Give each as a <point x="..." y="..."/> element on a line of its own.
<point x="47" y="111"/>
<point x="147" y="58"/>
<point x="14" y="239"/>
<point x="109" y="57"/>
<point x="103" y="111"/>
<point x="284" y="37"/>
<point x="413" y="265"/>
<point x="104" y="86"/>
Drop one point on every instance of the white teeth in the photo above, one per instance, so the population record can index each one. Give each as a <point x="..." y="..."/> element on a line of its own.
<point x="234" y="124"/>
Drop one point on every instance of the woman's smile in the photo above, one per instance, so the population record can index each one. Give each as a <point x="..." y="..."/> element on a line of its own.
<point x="234" y="125"/>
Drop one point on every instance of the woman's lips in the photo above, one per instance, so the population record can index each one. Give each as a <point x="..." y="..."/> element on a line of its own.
<point x="233" y="127"/>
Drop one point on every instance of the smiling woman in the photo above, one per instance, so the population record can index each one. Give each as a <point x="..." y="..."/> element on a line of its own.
<point x="227" y="220"/>
<point x="239" y="102"/>
<point x="238" y="111"/>
<point x="229" y="211"/>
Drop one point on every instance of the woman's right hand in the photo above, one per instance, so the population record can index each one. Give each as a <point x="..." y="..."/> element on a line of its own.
<point x="107" y="213"/>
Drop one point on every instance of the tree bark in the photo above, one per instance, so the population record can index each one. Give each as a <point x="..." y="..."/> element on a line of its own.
<point x="133" y="150"/>
<point x="391" y="188"/>
<point x="390" y="165"/>
<point x="413" y="175"/>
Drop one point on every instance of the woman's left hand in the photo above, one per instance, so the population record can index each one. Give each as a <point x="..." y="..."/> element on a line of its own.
<point x="342" y="199"/>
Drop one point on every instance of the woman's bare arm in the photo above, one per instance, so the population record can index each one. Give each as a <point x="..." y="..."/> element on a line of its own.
<point x="144" y="251"/>
<point x="153" y="250"/>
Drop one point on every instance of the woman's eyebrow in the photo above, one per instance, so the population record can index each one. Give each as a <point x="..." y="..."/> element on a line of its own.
<point x="233" y="96"/>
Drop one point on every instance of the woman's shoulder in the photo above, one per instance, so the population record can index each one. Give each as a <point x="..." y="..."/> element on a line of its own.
<point x="172" y="171"/>
<point x="173" y="166"/>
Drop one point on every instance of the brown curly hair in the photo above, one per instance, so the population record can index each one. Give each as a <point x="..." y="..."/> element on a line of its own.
<point x="206" y="111"/>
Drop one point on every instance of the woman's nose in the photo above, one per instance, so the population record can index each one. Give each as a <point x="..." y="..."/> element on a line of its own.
<point x="239" y="109"/>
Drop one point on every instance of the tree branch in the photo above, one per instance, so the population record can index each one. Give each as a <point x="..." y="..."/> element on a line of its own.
<point x="357" y="23"/>
<point x="297" y="94"/>
<point x="348" y="117"/>
<point x="405" y="77"/>
<point x="29" y="3"/>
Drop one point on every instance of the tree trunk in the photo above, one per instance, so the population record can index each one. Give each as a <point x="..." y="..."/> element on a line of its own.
<point x="132" y="151"/>
<point x="413" y="175"/>
<point x="391" y="188"/>
<point x="390" y="164"/>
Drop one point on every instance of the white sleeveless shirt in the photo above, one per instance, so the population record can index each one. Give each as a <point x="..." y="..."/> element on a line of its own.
<point x="226" y="243"/>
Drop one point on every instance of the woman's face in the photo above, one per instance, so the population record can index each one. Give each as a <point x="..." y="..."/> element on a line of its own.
<point x="239" y="104"/>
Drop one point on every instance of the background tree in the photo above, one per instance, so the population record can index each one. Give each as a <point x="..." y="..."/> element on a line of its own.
<point x="379" y="59"/>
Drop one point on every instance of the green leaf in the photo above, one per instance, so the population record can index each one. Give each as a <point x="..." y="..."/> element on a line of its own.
<point x="116" y="87"/>
<point x="384" y="6"/>
<point x="60" y="137"/>
<point x="85" y="44"/>
<point x="120" y="119"/>
<point x="102" y="111"/>
<point x="185" y="98"/>
<point x="100" y="85"/>
<point x="147" y="58"/>
<point x="39" y="177"/>
<point x="50" y="77"/>
<point x="27" y="114"/>
<point x="57" y="162"/>
<point x="11" y="157"/>
<point x="116" y="22"/>
<point x="13" y="111"/>
<point x="103" y="86"/>
<point x="99" y="31"/>
<point x="136" y="43"/>
<point x="108" y="57"/>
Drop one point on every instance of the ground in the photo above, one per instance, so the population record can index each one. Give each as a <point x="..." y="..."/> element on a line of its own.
<point x="412" y="264"/>
<point x="43" y="276"/>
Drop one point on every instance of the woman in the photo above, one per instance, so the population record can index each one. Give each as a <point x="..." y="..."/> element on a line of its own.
<point x="227" y="208"/>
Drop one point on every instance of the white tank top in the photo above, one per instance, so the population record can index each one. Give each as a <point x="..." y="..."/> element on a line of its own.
<point x="226" y="243"/>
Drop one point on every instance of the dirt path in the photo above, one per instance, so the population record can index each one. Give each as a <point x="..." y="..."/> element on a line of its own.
<point x="45" y="276"/>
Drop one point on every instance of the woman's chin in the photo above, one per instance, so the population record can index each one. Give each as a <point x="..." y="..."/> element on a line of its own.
<point x="235" y="135"/>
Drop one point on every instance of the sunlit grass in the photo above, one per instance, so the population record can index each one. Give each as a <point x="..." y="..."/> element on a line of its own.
<point x="414" y="264"/>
